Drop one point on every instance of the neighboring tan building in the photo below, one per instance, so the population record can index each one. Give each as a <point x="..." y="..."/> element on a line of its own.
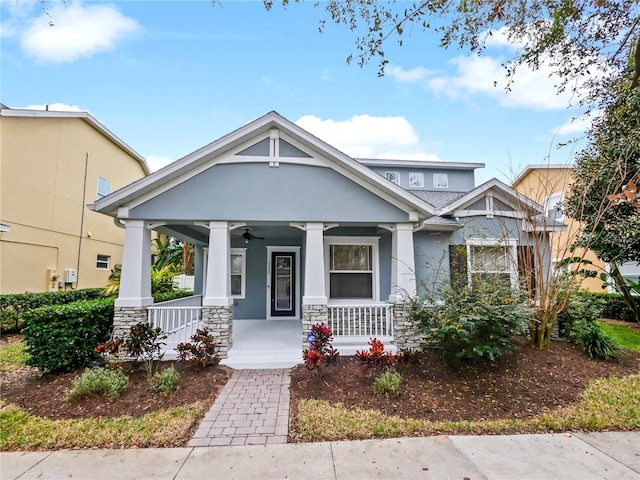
<point x="548" y="186"/>
<point x="52" y="164"/>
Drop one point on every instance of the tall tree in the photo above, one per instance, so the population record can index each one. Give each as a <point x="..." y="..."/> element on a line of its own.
<point x="610" y="161"/>
<point x="586" y="42"/>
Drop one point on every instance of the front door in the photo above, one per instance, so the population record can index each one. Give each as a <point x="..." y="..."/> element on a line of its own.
<point x="283" y="284"/>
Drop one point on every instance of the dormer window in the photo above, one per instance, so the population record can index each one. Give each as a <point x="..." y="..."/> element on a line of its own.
<point x="416" y="180"/>
<point x="440" y="180"/>
<point x="393" y="177"/>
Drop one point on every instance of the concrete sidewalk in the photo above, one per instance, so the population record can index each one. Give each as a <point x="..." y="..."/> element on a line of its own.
<point x="553" y="456"/>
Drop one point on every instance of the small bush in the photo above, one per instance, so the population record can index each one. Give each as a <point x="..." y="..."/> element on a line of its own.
<point x="99" y="382"/>
<point x="598" y="344"/>
<point x="165" y="381"/>
<point x="581" y="312"/>
<point x="320" y="348"/>
<point x="472" y="322"/>
<point x="63" y="337"/>
<point x="388" y="382"/>
<point x="375" y="357"/>
<point x="201" y="351"/>
<point x="613" y="306"/>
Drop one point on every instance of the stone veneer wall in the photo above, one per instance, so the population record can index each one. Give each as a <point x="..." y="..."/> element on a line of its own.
<point x="404" y="331"/>
<point x="312" y="314"/>
<point x="219" y="319"/>
<point x="125" y="317"/>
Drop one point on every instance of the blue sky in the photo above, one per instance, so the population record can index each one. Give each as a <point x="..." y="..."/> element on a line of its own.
<point x="169" y="77"/>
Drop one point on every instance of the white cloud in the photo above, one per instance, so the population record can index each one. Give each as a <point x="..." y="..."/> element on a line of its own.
<point x="78" y="31"/>
<point x="413" y="75"/>
<point x="478" y="75"/>
<point x="576" y="125"/>
<point x="156" y="163"/>
<point x="54" y="107"/>
<point x="365" y="136"/>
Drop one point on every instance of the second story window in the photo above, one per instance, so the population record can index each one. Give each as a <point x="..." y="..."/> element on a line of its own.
<point x="416" y="180"/>
<point x="104" y="188"/>
<point x="393" y="177"/>
<point x="440" y="180"/>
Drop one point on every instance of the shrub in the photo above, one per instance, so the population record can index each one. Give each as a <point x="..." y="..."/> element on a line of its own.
<point x="472" y="322"/>
<point x="375" y="357"/>
<point x="407" y="357"/>
<point x="63" y="337"/>
<point x="143" y="343"/>
<point x="14" y="306"/>
<point x="201" y="351"/>
<point x="99" y="382"/>
<point x="582" y="311"/>
<point x="166" y="296"/>
<point x="320" y="348"/>
<point x="388" y="382"/>
<point x="598" y="344"/>
<point x="165" y="381"/>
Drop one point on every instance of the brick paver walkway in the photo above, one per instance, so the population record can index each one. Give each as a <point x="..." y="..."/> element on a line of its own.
<point x="252" y="409"/>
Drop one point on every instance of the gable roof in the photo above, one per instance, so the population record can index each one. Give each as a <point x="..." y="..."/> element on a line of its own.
<point x="87" y="117"/>
<point x="542" y="166"/>
<point x="192" y="164"/>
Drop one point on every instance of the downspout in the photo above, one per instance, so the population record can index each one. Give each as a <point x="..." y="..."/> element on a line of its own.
<point x="84" y="192"/>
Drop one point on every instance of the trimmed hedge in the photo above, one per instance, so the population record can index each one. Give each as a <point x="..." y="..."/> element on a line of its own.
<point x="13" y="306"/>
<point x="63" y="337"/>
<point x="166" y="296"/>
<point x="613" y="306"/>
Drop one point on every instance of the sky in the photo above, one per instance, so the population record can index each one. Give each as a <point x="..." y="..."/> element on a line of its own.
<point x="168" y="77"/>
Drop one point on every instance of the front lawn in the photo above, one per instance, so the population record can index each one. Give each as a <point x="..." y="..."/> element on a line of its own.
<point x="625" y="336"/>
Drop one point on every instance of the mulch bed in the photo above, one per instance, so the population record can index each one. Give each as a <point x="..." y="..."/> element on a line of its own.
<point x="520" y="385"/>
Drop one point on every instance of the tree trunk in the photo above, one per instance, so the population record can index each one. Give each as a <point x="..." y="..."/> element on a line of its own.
<point x="540" y="329"/>
<point x="629" y="299"/>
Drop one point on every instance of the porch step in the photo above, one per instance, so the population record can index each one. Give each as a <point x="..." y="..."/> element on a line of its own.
<point x="264" y="359"/>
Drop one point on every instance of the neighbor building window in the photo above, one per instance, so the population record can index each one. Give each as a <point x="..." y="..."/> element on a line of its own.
<point x="554" y="207"/>
<point x="352" y="268"/>
<point x="393" y="177"/>
<point x="237" y="272"/>
<point x="416" y="180"/>
<point x="492" y="261"/>
<point x="104" y="188"/>
<point x="103" y="261"/>
<point x="440" y="180"/>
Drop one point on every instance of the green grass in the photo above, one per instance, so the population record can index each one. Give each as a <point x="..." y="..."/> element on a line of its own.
<point x="623" y="336"/>
<point x="607" y="404"/>
<point x="12" y="356"/>
<point x="165" y="428"/>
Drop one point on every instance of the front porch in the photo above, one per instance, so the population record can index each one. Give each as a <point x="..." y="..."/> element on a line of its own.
<point x="272" y="343"/>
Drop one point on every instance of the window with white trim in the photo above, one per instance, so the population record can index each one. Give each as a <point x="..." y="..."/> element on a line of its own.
<point x="492" y="260"/>
<point x="393" y="177"/>
<point x="416" y="180"/>
<point x="440" y="180"/>
<point x="238" y="272"/>
<point x="554" y="207"/>
<point x="352" y="268"/>
<point x="104" y="188"/>
<point x="102" y="262"/>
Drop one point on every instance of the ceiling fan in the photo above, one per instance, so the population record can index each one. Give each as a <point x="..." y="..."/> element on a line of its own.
<point x="247" y="235"/>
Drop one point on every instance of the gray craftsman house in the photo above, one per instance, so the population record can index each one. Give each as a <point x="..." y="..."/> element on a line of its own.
<point x="289" y="231"/>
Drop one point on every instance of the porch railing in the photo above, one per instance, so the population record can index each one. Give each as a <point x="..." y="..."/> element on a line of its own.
<point x="178" y="319"/>
<point x="366" y="320"/>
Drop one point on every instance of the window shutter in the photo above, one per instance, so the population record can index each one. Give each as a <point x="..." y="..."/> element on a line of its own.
<point x="458" y="266"/>
<point x="526" y="269"/>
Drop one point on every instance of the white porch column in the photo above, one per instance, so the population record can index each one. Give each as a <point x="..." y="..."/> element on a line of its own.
<point x="314" y="281"/>
<point x="403" y="264"/>
<point x="217" y="273"/>
<point x="135" y="280"/>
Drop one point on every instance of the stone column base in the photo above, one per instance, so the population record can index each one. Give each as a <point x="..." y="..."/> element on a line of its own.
<point x="219" y="319"/>
<point x="311" y="315"/>
<point x="404" y="331"/>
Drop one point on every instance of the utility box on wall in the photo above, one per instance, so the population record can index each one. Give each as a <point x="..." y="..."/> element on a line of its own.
<point x="52" y="280"/>
<point x="70" y="275"/>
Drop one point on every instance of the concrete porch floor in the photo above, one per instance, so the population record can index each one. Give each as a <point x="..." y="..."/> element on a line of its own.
<point x="261" y="344"/>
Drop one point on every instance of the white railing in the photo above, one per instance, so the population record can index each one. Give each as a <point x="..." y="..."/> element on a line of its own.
<point x="364" y="321"/>
<point x="178" y="319"/>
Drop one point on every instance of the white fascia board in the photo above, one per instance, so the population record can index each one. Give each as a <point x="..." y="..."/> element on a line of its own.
<point x="381" y="162"/>
<point x="478" y="192"/>
<point x="87" y="117"/>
